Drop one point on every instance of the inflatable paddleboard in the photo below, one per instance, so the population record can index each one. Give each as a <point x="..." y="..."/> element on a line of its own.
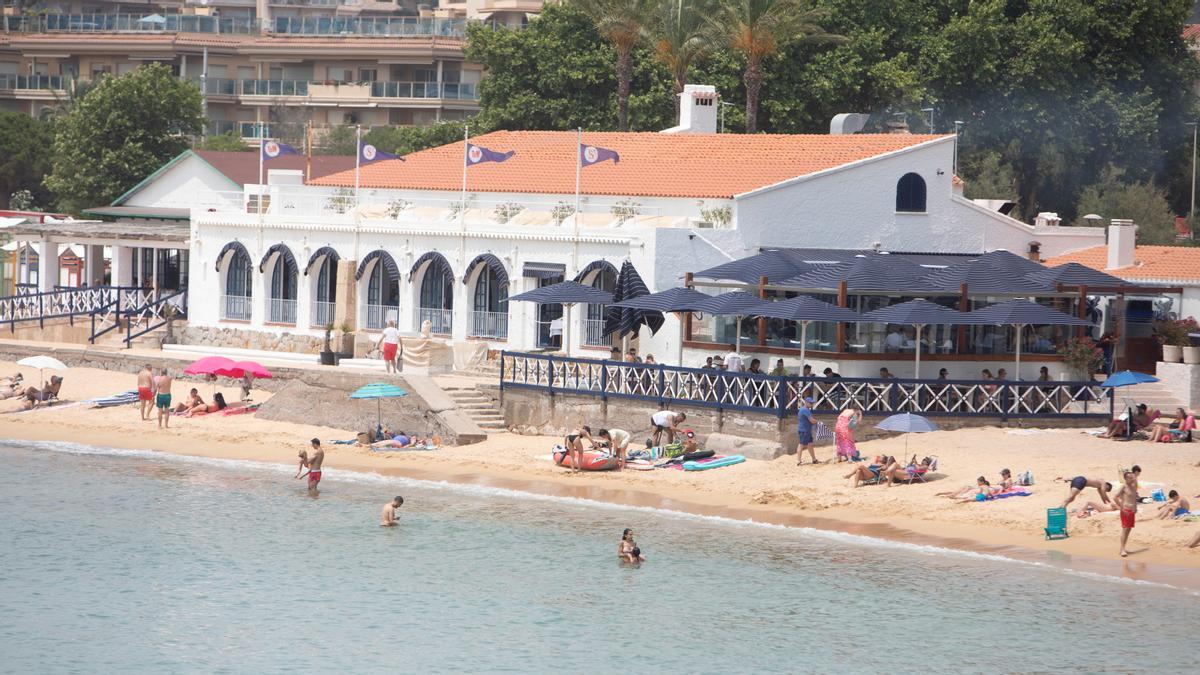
<point x="639" y="465"/>
<point x="592" y="461"/>
<point x="714" y="463"/>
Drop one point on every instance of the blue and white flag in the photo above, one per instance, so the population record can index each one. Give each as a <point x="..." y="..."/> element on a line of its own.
<point x="478" y="155"/>
<point x="368" y="153"/>
<point x="592" y="154"/>
<point x="273" y="149"/>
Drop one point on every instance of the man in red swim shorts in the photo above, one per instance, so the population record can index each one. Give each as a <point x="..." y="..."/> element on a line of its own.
<point x="314" y="466"/>
<point x="145" y="392"/>
<point x="1126" y="500"/>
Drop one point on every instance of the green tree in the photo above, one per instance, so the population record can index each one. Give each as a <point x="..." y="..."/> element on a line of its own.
<point x="757" y="29"/>
<point x="1140" y="201"/>
<point x="623" y="23"/>
<point x="340" y="140"/>
<point x="987" y="177"/>
<point x="230" y="141"/>
<point x="24" y="160"/>
<point x="119" y="133"/>
<point x="680" y="37"/>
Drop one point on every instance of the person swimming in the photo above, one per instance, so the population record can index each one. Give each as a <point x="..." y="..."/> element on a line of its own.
<point x="628" y="550"/>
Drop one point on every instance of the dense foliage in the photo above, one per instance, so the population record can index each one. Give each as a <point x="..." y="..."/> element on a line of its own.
<point x="24" y="159"/>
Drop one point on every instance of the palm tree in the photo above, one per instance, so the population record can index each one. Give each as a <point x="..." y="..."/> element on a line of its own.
<point x="680" y="37"/>
<point x="623" y="23"/>
<point x="757" y="29"/>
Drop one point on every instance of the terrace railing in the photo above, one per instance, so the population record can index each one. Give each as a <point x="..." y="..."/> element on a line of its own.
<point x="375" y="316"/>
<point x="69" y="303"/>
<point x="779" y="395"/>
<point x="491" y="325"/>
<point x="320" y="314"/>
<point x="441" y="321"/>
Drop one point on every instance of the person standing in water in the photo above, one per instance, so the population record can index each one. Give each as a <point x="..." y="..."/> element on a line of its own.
<point x="389" y="512"/>
<point x="162" y="398"/>
<point x="145" y="388"/>
<point x="314" y="466"/>
<point x="628" y="550"/>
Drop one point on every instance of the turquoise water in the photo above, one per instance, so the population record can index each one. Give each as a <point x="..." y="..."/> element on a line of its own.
<point x="137" y="562"/>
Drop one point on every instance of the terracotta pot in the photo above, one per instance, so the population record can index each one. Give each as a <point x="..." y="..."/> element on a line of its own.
<point x="1172" y="354"/>
<point x="1191" y="355"/>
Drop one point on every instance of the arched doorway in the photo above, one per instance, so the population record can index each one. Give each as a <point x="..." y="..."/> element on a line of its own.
<point x="489" y="298"/>
<point x="322" y="273"/>
<point x="381" y="278"/>
<point x="601" y="275"/>
<point x="237" y="282"/>
<point x="436" y="296"/>
<point x="282" y="273"/>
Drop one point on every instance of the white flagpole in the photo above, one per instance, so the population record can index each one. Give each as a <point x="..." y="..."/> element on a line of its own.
<point x="462" y="211"/>
<point x="357" y="160"/>
<point x="261" y="143"/>
<point x="575" y="218"/>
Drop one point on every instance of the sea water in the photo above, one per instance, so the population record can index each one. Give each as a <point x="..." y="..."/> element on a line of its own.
<point x="126" y="561"/>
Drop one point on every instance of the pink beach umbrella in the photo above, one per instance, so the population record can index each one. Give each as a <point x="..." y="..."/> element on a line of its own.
<point x="209" y="365"/>
<point x="242" y="368"/>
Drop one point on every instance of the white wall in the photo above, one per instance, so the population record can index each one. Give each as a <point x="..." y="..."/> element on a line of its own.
<point x="189" y="183"/>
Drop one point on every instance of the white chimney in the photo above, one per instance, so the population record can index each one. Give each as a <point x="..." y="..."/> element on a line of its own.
<point x="847" y="123"/>
<point x="697" y="110"/>
<point x="1122" y="237"/>
<point x="1047" y="219"/>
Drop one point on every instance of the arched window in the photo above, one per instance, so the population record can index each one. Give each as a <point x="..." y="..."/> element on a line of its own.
<point x="236" y="302"/>
<point x="910" y="194"/>
<point x="605" y="279"/>
<point x="383" y="296"/>
<point x="282" y="305"/>
<point x="437" y="296"/>
<point x="489" y="316"/>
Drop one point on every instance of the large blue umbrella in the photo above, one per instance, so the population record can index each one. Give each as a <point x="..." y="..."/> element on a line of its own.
<point x="624" y="320"/>
<point x="678" y="301"/>
<point x="566" y="293"/>
<point x="907" y="423"/>
<point x="1021" y="313"/>
<point x="806" y="309"/>
<point x="918" y="313"/>
<point x="378" y="391"/>
<point x="1127" y="378"/>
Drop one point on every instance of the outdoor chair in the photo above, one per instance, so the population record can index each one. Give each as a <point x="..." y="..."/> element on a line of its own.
<point x="1056" y="523"/>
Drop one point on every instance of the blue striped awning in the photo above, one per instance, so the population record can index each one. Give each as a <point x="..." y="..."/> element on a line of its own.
<point x="231" y="246"/>
<point x="807" y="308"/>
<point x="567" y="292"/>
<point x="1025" y="312"/>
<point x="541" y="270"/>
<point x="626" y="320"/>
<point x="1074" y="274"/>
<point x="737" y="303"/>
<point x="775" y="265"/>
<point x="593" y="266"/>
<point x="919" y="312"/>
<point x="318" y="254"/>
<point x="670" y="300"/>
<point x="281" y="249"/>
<point x="866" y="272"/>
<point x="434" y="258"/>
<point x="385" y="259"/>
<point x="491" y="261"/>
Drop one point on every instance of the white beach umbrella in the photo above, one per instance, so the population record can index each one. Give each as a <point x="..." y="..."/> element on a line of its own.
<point x="42" y="362"/>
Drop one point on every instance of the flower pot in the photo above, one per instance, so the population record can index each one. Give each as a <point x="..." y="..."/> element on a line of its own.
<point x="328" y="358"/>
<point x="1172" y="353"/>
<point x="1191" y="355"/>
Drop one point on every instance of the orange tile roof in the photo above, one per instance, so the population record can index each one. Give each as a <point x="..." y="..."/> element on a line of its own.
<point x="1191" y="31"/>
<point x="715" y="166"/>
<point x="1159" y="263"/>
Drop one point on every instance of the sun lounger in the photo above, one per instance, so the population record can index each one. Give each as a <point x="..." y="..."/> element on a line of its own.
<point x="124" y="398"/>
<point x="1056" y="523"/>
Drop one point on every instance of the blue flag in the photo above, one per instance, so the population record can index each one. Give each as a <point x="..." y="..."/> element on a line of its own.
<point x="591" y="154"/>
<point x="273" y="149"/>
<point x="478" y="155"/>
<point x="368" y="153"/>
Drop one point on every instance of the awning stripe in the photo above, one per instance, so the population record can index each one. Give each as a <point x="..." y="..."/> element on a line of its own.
<point x="323" y="251"/>
<point x="231" y="246"/>
<point x="492" y="262"/>
<point x="384" y="258"/>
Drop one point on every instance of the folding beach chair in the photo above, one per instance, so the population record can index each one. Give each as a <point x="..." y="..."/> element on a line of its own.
<point x="1056" y="523"/>
<point x="917" y="474"/>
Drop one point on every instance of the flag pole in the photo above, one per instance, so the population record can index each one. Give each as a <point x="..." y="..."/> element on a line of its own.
<point x="261" y="144"/>
<point x="462" y="206"/>
<point x="575" y="219"/>
<point x="308" y="152"/>
<point x="357" y="159"/>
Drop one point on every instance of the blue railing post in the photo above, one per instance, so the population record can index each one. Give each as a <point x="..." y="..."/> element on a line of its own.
<point x="502" y="352"/>
<point x="550" y="374"/>
<point x="720" y="390"/>
<point x="604" y="380"/>
<point x="41" y="311"/>
<point x="662" y="387"/>
<point x="781" y="395"/>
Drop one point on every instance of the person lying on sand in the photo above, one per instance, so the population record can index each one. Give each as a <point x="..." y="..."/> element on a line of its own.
<point x="1175" y="507"/>
<point x="1079" y="483"/>
<point x="966" y="490"/>
<point x="193" y="400"/>
<point x="203" y="408"/>
<point x="1006" y="480"/>
<point x="863" y="474"/>
<point x="905" y="473"/>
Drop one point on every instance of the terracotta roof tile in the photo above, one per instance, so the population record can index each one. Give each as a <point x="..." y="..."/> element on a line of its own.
<point x="652" y="165"/>
<point x="1160" y="263"/>
<point x="242" y="167"/>
<point x="1191" y="32"/>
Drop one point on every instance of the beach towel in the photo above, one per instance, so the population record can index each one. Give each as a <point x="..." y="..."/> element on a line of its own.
<point x="241" y="410"/>
<point x="352" y="441"/>
<point x="123" y="398"/>
<point x="1012" y="493"/>
<point x="821" y="432"/>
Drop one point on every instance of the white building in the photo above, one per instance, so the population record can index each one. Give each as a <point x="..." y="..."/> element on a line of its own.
<point x="403" y="244"/>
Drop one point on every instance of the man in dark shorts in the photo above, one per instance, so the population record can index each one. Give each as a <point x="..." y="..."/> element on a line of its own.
<point x="804" y="429"/>
<point x="1079" y="483"/>
<point x="665" y="421"/>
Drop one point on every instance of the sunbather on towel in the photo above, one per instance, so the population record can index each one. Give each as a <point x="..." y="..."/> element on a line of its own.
<point x="905" y="473"/>
<point x="193" y="400"/>
<point x="218" y="404"/>
<point x="980" y="482"/>
<point x="864" y="474"/>
<point x="1176" y="506"/>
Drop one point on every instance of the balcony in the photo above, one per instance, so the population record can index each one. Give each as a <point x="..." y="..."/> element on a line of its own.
<point x="130" y="23"/>
<point x="443" y="90"/>
<point x="441" y="321"/>
<point x="247" y="130"/>
<point x="490" y="325"/>
<point x="375" y="316"/>
<point x="404" y="26"/>
<point x="52" y="83"/>
<point x="281" y="311"/>
<point x="348" y="92"/>
<point x="273" y="87"/>
<point x="236" y="307"/>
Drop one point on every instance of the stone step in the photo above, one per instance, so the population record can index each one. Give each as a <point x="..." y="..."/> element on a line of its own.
<point x="487" y="416"/>
<point x="478" y="398"/>
<point x="471" y="407"/>
<point x="491" y="426"/>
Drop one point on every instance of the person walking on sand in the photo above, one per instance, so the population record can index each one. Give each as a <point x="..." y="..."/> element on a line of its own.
<point x="1079" y="483"/>
<point x="313" y="463"/>
<point x="389" y="344"/>
<point x="162" y="398"/>
<point x="388" y="517"/>
<point x="843" y="433"/>
<point x="1126" y="500"/>
<point x="804" y="431"/>
<point x="145" y="388"/>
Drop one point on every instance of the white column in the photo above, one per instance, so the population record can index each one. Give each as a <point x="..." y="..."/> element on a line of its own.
<point x="462" y="311"/>
<point x="47" y="265"/>
<point x="258" y="304"/>
<point x="122" y="265"/>
<point x="94" y="258"/>
<point x="406" y="318"/>
<point x="304" y="296"/>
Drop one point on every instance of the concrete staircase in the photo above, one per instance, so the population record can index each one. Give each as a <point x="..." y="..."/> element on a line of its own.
<point x="477" y="407"/>
<point x="1153" y="394"/>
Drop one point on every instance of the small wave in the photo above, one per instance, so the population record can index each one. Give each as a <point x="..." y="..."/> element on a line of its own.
<point x="374" y="478"/>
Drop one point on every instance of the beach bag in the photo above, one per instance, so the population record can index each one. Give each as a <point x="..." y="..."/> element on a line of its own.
<point x="1025" y="478"/>
<point x="672" y="450"/>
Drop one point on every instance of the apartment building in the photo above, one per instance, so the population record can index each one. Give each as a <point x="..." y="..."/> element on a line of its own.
<point x="258" y="62"/>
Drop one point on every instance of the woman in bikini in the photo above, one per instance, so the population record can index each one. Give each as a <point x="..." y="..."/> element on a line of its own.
<point x="628" y="550"/>
<point x="574" y="445"/>
<point x="193" y="400"/>
<point x="864" y="474"/>
<point x="205" y="408"/>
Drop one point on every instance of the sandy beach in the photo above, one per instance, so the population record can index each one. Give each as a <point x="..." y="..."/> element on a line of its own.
<point x="776" y="491"/>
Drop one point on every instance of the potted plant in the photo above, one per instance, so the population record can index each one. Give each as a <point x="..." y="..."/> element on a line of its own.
<point x="346" y="340"/>
<point x="1082" y="356"/>
<point x="328" y="356"/>
<point x="1191" y="352"/>
<point x="1173" y="335"/>
<point x="170" y="313"/>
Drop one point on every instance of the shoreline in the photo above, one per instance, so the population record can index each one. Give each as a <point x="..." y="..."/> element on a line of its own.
<point x="861" y="529"/>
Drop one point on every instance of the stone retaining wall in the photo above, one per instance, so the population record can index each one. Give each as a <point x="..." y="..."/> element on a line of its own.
<point x="237" y="338"/>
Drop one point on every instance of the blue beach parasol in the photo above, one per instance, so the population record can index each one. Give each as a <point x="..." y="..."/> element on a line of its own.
<point x="1127" y="378"/>
<point x="379" y="391"/>
<point x="907" y="423"/>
